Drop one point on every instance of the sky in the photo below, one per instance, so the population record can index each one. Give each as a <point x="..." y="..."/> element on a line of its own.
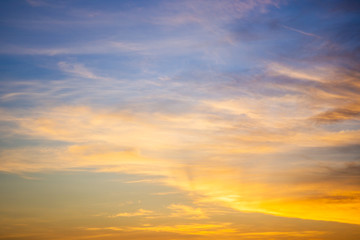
<point x="180" y="119"/>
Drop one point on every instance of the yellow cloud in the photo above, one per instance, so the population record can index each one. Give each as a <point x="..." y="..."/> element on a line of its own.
<point x="140" y="212"/>
<point x="278" y="69"/>
<point x="236" y="153"/>
<point x="189" y="229"/>
<point x="183" y="211"/>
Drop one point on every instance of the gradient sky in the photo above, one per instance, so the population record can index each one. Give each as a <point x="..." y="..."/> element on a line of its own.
<point x="180" y="119"/>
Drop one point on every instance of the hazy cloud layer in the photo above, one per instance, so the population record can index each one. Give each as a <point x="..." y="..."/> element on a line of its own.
<point x="236" y="106"/>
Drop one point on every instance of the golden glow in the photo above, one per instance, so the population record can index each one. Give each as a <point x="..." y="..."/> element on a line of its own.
<point x="131" y="143"/>
<point x="177" y="120"/>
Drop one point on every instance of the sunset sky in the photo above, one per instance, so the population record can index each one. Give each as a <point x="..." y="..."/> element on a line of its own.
<point x="180" y="119"/>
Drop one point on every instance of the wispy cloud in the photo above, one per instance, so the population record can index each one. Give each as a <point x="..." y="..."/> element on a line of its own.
<point x="278" y="69"/>
<point x="90" y="47"/>
<point x="213" y="145"/>
<point x="36" y="3"/>
<point x="212" y="230"/>
<point x="79" y="70"/>
<point x="351" y="111"/>
<point x="140" y="212"/>
<point x="302" y="32"/>
<point x="194" y="229"/>
<point x="183" y="211"/>
<point x="211" y="104"/>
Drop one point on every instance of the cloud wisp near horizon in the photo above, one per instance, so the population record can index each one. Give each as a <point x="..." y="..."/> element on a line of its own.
<point x="180" y="119"/>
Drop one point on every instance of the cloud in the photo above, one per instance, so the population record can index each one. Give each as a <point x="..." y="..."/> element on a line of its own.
<point x="303" y="74"/>
<point x="183" y="211"/>
<point x="79" y="70"/>
<point x="302" y="32"/>
<point x="212" y="230"/>
<point x="89" y="47"/>
<point x="140" y="212"/>
<point x="348" y="112"/>
<point x="207" y="11"/>
<point x="329" y="92"/>
<point x="231" y="150"/>
<point x="284" y="234"/>
<point x="36" y="3"/>
<point x="214" y="158"/>
<point x="192" y="229"/>
<point x="239" y="140"/>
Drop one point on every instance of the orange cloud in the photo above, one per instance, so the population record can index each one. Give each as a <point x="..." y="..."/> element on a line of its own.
<point x="241" y="153"/>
